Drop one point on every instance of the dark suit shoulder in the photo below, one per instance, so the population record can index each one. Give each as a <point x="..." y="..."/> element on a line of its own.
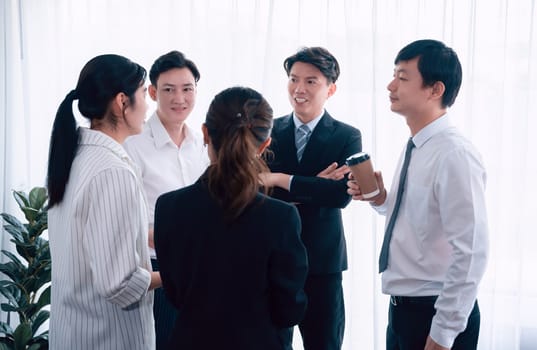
<point x="182" y="194"/>
<point x="179" y="192"/>
<point x="282" y="122"/>
<point x="274" y="205"/>
<point x="328" y="120"/>
<point x="346" y="126"/>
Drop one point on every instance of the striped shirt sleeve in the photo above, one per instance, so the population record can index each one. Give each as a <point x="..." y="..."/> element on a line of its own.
<point x="112" y="237"/>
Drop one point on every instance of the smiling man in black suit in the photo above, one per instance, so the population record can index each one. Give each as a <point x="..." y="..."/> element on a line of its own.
<point x="310" y="148"/>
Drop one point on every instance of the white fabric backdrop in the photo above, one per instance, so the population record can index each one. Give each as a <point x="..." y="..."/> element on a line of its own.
<point x="45" y="43"/>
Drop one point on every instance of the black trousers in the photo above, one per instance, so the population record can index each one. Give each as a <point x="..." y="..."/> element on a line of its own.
<point x="164" y="314"/>
<point x="324" y="322"/>
<point x="409" y="323"/>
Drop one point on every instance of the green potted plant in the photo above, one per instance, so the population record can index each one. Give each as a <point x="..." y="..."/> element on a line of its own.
<point x="27" y="287"/>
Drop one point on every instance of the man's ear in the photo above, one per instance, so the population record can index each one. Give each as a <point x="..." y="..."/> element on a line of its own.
<point x="332" y="89"/>
<point x="438" y="90"/>
<point x="152" y="91"/>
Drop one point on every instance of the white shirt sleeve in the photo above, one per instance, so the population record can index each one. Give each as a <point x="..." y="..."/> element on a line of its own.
<point x="464" y="220"/>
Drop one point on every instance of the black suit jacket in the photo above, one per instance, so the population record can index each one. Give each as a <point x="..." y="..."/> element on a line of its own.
<point x="319" y="200"/>
<point x="235" y="286"/>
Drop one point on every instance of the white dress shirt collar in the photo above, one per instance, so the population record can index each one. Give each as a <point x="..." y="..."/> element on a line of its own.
<point x="437" y="126"/>
<point x="311" y="124"/>
<point x="160" y="134"/>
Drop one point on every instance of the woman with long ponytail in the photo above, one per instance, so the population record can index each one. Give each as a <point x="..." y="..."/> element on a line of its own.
<point x="231" y="258"/>
<point x="97" y="221"/>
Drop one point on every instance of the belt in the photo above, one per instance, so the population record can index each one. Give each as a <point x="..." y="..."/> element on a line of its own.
<point x="400" y="300"/>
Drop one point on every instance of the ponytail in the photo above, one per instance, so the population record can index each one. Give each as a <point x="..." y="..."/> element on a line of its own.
<point x="63" y="146"/>
<point x="233" y="179"/>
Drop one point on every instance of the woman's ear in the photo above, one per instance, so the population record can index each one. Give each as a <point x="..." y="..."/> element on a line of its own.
<point x="206" y="138"/>
<point x="152" y="91"/>
<point x="207" y="142"/>
<point x="119" y="104"/>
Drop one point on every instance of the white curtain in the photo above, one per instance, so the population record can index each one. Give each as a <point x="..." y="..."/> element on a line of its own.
<point x="244" y="42"/>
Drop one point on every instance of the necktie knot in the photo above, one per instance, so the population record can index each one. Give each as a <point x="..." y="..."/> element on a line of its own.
<point x="410" y="144"/>
<point x="301" y="139"/>
<point x="303" y="129"/>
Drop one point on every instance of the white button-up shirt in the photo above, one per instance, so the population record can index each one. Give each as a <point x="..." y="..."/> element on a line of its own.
<point x="100" y="259"/>
<point x="440" y="239"/>
<point x="163" y="166"/>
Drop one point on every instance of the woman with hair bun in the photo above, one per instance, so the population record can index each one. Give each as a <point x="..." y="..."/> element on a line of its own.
<point x="231" y="258"/>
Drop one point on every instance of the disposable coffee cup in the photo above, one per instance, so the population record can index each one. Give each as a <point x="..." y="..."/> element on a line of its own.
<point x="362" y="170"/>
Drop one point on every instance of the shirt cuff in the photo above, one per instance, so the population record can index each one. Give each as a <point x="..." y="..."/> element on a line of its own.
<point x="290" y="182"/>
<point x="443" y="337"/>
<point x="134" y="290"/>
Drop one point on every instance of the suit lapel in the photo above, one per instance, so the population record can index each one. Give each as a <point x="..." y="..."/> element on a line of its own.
<point x="286" y="141"/>
<point x="319" y="139"/>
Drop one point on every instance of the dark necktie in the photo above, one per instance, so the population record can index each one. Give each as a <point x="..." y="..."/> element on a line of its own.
<point x="383" y="259"/>
<point x="301" y="139"/>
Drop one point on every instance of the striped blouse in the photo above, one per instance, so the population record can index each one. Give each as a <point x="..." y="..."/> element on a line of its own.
<point x="100" y="258"/>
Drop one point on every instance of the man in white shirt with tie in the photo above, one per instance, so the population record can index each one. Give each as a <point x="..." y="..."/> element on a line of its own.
<point x="436" y="241"/>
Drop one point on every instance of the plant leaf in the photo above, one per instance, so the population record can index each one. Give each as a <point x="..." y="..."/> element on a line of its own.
<point x="8" y="308"/>
<point x="21" y="198"/>
<point x="13" y="258"/>
<point x="5" y="329"/>
<point x="13" y="221"/>
<point x="6" y="344"/>
<point x="15" y="233"/>
<point x="31" y="280"/>
<point x="22" y="335"/>
<point x="37" y="346"/>
<point x="12" y="293"/>
<point x="37" y="198"/>
<point x="38" y="227"/>
<point x="14" y="269"/>
<point x="30" y="214"/>
<point x="8" y="287"/>
<point x="39" y="270"/>
<point x="41" y="317"/>
<point x="25" y="250"/>
<point x="39" y="342"/>
<point x="44" y="298"/>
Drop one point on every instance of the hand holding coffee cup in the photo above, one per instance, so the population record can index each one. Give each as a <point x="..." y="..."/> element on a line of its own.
<point x="362" y="170"/>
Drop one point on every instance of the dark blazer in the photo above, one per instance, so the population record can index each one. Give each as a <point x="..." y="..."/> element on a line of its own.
<point x="235" y="286"/>
<point x="319" y="200"/>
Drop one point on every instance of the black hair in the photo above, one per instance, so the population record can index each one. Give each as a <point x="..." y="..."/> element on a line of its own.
<point x="171" y="60"/>
<point x="436" y="62"/>
<point x="317" y="56"/>
<point x="101" y="79"/>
